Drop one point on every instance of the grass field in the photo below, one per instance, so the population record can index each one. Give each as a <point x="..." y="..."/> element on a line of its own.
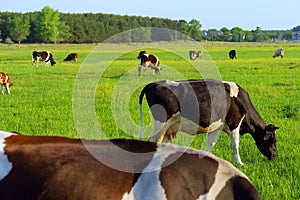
<point x="97" y="97"/>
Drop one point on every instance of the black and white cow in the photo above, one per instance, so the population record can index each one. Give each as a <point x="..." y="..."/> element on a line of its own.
<point x="232" y="54"/>
<point x="195" y="54"/>
<point x="147" y="60"/>
<point x="49" y="167"/>
<point x="5" y="82"/>
<point x="279" y="52"/>
<point x="206" y="106"/>
<point x="45" y="56"/>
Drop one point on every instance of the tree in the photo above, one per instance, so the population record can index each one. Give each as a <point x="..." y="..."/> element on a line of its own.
<point x="237" y="34"/>
<point x="183" y="26"/>
<point x="49" y="28"/>
<point x="194" y="29"/>
<point x="213" y="34"/>
<point x="226" y="34"/>
<point x="18" y="29"/>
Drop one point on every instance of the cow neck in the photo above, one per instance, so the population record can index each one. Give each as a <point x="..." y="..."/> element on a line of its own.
<point x="256" y="124"/>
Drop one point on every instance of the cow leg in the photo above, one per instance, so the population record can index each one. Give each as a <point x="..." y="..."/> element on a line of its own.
<point x="145" y="68"/>
<point x="2" y="87"/>
<point x="139" y="69"/>
<point x="7" y="89"/>
<point x="153" y="71"/>
<point x="211" y="140"/>
<point x="235" y="141"/>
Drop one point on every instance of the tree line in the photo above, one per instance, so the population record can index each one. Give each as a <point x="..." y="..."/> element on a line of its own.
<point x="51" y="26"/>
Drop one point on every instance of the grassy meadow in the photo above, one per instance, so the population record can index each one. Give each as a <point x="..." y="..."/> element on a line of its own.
<point x="97" y="97"/>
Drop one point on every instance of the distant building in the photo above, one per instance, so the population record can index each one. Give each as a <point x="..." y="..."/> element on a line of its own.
<point x="203" y="33"/>
<point x="296" y="33"/>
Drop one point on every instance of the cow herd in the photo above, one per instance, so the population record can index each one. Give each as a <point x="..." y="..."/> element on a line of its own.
<point x="44" y="56"/>
<point x="47" y="57"/>
<point x="152" y="61"/>
<point x="48" y="167"/>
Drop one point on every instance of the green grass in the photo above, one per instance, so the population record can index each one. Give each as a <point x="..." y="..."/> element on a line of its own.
<point x="103" y="87"/>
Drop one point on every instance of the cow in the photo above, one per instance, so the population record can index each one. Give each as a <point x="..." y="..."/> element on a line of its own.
<point x="45" y="56"/>
<point x="53" y="167"/>
<point x="147" y="60"/>
<point x="72" y="57"/>
<point x="279" y="52"/>
<point x="195" y="54"/>
<point x="206" y="106"/>
<point x="5" y="82"/>
<point x="232" y="54"/>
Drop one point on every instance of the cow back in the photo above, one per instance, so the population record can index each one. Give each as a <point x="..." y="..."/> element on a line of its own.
<point x="112" y="169"/>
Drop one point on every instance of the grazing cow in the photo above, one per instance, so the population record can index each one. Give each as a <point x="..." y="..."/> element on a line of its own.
<point x="206" y="106"/>
<point x="148" y="61"/>
<point x="232" y="54"/>
<point x="48" y="167"/>
<point x="279" y="52"/>
<point x="72" y="57"/>
<point x="45" y="56"/>
<point x="5" y="82"/>
<point x="195" y="54"/>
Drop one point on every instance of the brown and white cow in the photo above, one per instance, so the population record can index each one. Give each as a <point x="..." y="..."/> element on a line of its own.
<point x="45" y="56"/>
<point x="279" y="52"/>
<point x="5" y="82"/>
<point x="48" y="167"/>
<point x="195" y="54"/>
<point x="147" y="60"/>
<point x="72" y="57"/>
<point x="206" y="106"/>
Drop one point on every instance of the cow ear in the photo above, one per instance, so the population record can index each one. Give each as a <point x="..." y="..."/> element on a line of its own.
<point x="271" y="127"/>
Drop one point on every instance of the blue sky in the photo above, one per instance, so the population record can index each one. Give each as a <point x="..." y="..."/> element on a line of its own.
<point x="267" y="14"/>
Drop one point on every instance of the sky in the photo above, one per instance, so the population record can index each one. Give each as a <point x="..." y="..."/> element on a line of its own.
<point x="266" y="14"/>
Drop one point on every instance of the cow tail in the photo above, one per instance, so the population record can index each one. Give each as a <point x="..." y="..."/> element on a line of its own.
<point x="145" y="89"/>
<point x="141" y="113"/>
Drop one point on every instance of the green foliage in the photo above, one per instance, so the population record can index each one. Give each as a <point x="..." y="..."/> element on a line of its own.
<point x="18" y="28"/>
<point x="194" y="29"/>
<point x="8" y="41"/>
<point x="49" y="28"/>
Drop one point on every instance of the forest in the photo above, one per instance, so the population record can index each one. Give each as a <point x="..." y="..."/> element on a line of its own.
<point x="51" y="26"/>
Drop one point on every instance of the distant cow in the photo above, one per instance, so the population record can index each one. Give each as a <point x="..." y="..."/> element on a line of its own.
<point x="147" y="60"/>
<point x="45" y="56"/>
<point x="5" y="82"/>
<point x="195" y="54"/>
<point x="279" y="52"/>
<point x="48" y="167"/>
<point x="72" y="57"/>
<point x="232" y="54"/>
<point x="206" y="106"/>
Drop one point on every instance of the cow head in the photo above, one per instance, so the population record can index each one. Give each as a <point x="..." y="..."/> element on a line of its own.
<point x="267" y="144"/>
<point x="141" y="54"/>
<point x="52" y="62"/>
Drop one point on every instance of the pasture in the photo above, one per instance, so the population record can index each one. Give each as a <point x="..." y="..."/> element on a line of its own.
<point x="97" y="97"/>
